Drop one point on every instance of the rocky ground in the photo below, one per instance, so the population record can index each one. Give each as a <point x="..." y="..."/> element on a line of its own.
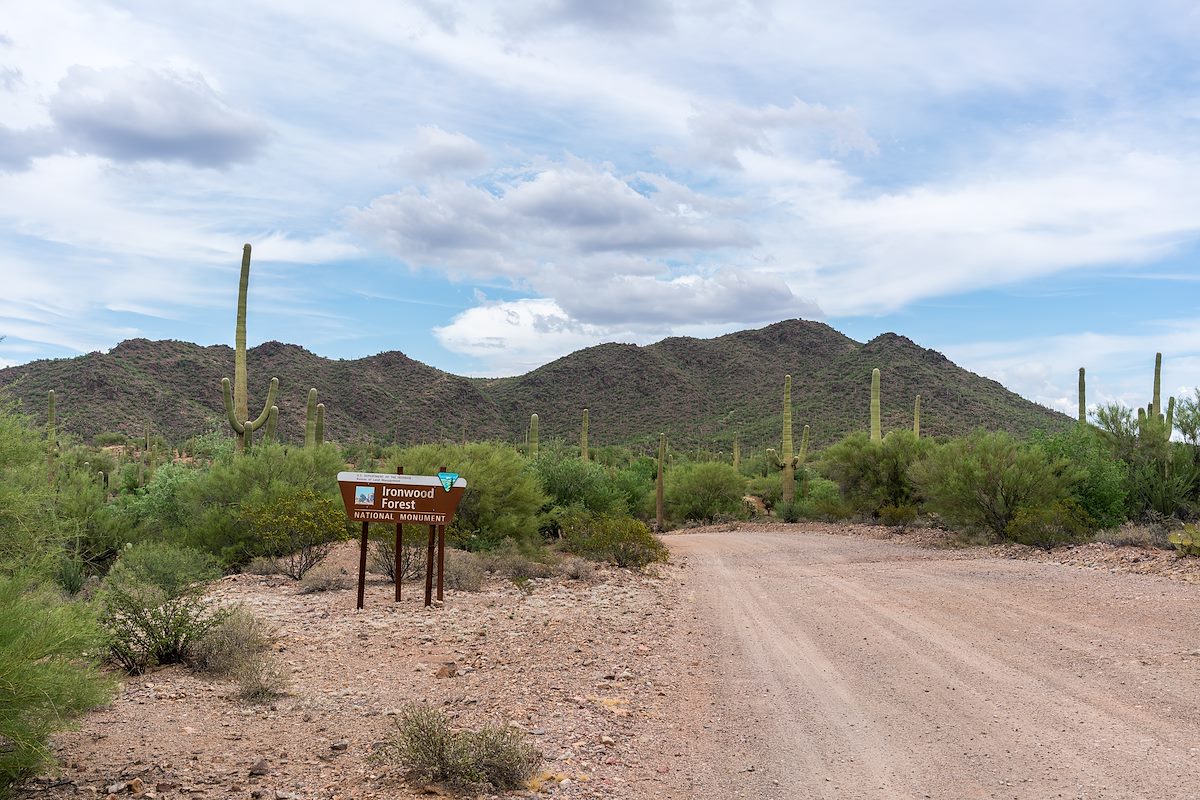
<point x="610" y="677"/>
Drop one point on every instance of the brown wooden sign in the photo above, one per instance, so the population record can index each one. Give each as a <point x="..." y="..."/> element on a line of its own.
<point x="401" y="499"/>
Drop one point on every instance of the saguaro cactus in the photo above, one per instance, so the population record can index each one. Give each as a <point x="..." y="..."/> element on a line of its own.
<point x="1082" y="397"/>
<point x="533" y="435"/>
<point x="314" y="421"/>
<point x="917" y="417"/>
<point x="876" y="428"/>
<point x="51" y="436"/>
<point x="785" y="460"/>
<point x="583" y="438"/>
<point x="737" y="453"/>
<point x="803" y="454"/>
<point x="1157" y="401"/>
<point x="272" y="423"/>
<point x="237" y="406"/>
<point x="659" y="515"/>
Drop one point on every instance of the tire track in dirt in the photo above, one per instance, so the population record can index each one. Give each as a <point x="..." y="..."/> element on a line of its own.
<point x="841" y="667"/>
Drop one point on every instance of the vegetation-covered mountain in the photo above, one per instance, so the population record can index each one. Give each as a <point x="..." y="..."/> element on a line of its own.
<point x="701" y="392"/>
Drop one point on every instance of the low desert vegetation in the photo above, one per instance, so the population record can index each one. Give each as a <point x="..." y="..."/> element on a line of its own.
<point x="106" y="551"/>
<point x="493" y="758"/>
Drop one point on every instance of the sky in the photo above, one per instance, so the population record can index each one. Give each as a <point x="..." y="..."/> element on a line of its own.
<point x="489" y="186"/>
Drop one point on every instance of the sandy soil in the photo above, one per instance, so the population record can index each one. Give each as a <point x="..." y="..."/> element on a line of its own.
<point x="763" y="662"/>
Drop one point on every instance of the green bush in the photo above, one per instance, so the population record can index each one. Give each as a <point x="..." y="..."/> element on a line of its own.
<point x="297" y="526"/>
<point x="897" y="516"/>
<point x="873" y="475"/>
<point x="1063" y="522"/>
<point x="571" y="483"/>
<point x="623" y="541"/>
<point x="46" y="674"/>
<point x="212" y="504"/>
<point x="769" y="489"/>
<point x="29" y="535"/>
<point x="822" y="500"/>
<point x="705" y="491"/>
<point x="152" y="605"/>
<point x="492" y="758"/>
<point x="984" y="479"/>
<point x="1101" y="489"/>
<point x="502" y="498"/>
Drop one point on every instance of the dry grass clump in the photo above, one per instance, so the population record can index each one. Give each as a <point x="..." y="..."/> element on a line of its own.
<point x="264" y="565"/>
<point x="240" y="648"/>
<point x="326" y="579"/>
<point x="464" y="571"/>
<point x="492" y="758"/>
<point x="509" y="562"/>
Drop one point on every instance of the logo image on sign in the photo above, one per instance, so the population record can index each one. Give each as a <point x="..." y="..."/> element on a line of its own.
<point x="364" y="495"/>
<point x="447" y="479"/>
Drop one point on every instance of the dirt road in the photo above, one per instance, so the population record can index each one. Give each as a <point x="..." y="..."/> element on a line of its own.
<point x="843" y="667"/>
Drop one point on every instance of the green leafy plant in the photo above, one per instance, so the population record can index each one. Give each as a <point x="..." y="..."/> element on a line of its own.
<point x="152" y="605"/>
<point x="298" y="527"/>
<point x="985" y="479"/>
<point x="705" y="491"/>
<point x="622" y="541"/>
<point x="48" y="673"/>
<point x="1186" y="541"/>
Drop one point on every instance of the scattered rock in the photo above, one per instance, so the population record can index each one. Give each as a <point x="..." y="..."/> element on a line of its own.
<point x="261" y="767"/>
<point x="340" y="746"/>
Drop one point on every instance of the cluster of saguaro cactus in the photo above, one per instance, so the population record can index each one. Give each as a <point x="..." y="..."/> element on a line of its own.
<point x="314" y="421"/>
<point x="784" y="459"/>
<point x="876" y="427"/>
<point x="583" y="438"/>
<point x="237" y="406"/>
<point x="1152" y="415"/>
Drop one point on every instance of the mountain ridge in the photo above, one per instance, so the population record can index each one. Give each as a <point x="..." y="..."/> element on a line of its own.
<point x="701" y="392"/>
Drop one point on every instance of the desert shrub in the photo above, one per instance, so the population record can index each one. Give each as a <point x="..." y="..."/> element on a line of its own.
<point x="492" y="758"/>
<point x="152" y="605"/>
<point x="897" y="516"/>
<point x="226" y="646"/>
<point x="29" y="537"/>
<point x="262" y="679"/>
<point x="1047" y="527"/>
<point x="822" y="500"/>
<point x="110" y="438"/>
<point x="705" y="491"/>
<point x="570" y="483"/>
<point x="635" y="484"/>
<point x="984" y="479"/>
<point x="412" y="555"/>
<point x="769" y="489"/>
<point x="464" y="571"/>
<point x="297" y="526"/>
<point x="1186" y="540"/>
<point x="238" y="646"/>
<point x="577" y="569"/>
<point x="623" y="541"/>
<point x="872" y="475"/>
<point x="789" y="512"/>
<point x="1164" y="482"/>
<point x="46" y="678"/>
<point x="510" y="561"/>
<point x="1101" y="488"/>
<point x="263" y="565"/>
<point x="502" y="498"/>
<point x="326" y="579"/>
<point x="213" y="504"/>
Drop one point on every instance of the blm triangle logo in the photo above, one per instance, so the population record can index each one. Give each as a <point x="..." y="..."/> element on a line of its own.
<point x="447" y="479"/>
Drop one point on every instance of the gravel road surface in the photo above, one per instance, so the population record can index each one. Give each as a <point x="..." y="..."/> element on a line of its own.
<point x="844" y="667"/>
